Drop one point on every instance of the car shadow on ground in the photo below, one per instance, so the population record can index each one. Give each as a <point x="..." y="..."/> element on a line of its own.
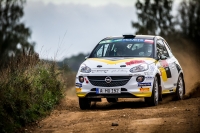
<point x="130" y="103"/>
<point x="118" y="105"/>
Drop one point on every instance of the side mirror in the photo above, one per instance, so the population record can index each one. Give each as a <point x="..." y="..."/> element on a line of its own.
<point x="157" y="58"/>
<point x="86" y="57"/>
<point x="163" y="57"/>
<point x="160" y="44"/>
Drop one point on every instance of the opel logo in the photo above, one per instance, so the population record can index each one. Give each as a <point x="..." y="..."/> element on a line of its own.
<point x="108" y="79"/>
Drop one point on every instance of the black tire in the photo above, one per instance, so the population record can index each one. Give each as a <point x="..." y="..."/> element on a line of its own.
<point x="180" y="88"/>
<point x="84" y="103"/>
<point x="112" y="100"/>
<point x="153" y="100"/>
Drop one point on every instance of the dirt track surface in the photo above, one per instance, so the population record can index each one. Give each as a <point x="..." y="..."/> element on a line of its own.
<point x="131" y="115"/>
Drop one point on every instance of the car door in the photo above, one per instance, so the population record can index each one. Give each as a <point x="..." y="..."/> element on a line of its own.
<point x="165" y="65"/>
<point x="174" y="67"/>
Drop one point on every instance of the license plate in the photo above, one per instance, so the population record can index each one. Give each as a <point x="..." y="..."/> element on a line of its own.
<point x="108" y="91"/>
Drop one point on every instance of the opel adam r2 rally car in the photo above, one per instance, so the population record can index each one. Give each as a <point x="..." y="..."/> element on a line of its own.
<point x="129" y="66"/>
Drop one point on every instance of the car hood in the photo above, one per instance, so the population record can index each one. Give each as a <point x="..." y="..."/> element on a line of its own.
<point x="116" y="62"/>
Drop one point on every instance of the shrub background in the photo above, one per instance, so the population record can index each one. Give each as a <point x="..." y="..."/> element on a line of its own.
<point x="29" y="89"/>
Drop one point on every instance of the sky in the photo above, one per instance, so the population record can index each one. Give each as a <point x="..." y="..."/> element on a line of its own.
<point x="62" y="28"/>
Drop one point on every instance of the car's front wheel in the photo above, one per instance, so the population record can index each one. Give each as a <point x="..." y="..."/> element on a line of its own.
<point x="153" y="100"/>
<point x="112" y="100"/>
<point x="84" y="103"/>
<point x="180" y="89"/>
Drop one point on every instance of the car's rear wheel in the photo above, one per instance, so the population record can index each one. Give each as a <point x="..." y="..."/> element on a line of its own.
<point x="180" y="89"/>
<point x="112" y="100"/>
<point x="84" y="103"/>
<point x="153" y="100"/>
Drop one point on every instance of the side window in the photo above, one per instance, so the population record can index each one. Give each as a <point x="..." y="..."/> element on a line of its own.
<point x="161" y="49"/>
<point x="101" y="50"/>
<point x="165" y="52"/>
<point x="168" y="49"/>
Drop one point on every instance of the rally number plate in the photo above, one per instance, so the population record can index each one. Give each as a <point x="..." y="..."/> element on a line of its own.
<point x="108" y="91"/>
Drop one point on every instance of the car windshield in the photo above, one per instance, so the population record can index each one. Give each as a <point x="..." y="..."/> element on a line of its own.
<point x="123" y="48"/>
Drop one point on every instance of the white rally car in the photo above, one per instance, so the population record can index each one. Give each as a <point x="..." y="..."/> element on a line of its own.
<point x="129" y="66"/>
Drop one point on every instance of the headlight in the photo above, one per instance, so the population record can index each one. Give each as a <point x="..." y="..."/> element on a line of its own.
<point x="85" y="69"/>
<point x="139" y="68"/>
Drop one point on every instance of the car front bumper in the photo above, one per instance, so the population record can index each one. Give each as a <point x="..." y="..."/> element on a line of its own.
<point x="132" y="89"/>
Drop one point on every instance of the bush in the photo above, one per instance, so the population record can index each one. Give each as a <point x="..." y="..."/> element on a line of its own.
<point x="29" y="89"/>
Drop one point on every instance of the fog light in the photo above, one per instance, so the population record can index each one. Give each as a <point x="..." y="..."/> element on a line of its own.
<point x="81" y="79"/>
<point x="140" y="78"/>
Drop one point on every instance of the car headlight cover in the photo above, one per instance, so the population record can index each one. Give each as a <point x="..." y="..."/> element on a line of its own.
<point x="140" y="68"/>
<point x="85" y="69"/>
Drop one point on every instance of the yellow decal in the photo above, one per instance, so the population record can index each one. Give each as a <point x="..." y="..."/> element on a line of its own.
<point x="144" y="94"/>
<point x="168" y="91"/>
<point x="165" y="91"/>
<point x="163" y="73"/>
<point x="81" y="94"/>
<point x="174" y="90"/>
<point x="112" y="62"/>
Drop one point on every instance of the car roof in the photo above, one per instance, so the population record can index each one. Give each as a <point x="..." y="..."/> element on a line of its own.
<point x="136" y="36"/>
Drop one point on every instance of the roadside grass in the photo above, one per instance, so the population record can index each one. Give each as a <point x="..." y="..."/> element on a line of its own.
<point x="29" y="90"/>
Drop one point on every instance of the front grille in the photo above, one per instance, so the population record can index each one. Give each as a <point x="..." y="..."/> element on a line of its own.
<point x="116" y="81"/>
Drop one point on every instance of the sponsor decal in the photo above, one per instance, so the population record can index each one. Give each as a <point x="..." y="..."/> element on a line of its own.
<point x="165" y="65"/>
<point x="119" y="71"/>
<point x="144" y="89"/>
<point x="149" y="41"/>
<point x="120" y="40"/>
<point x="114" y="61"/>
<point x="78" y="89"/>
<point x="149" y="77"/>
<point x="134" y="62"/>
<point x="134" y="40"/>
<point x="99" y="71"/>
<point x="78" y="85"/>
<point x="110" y="41"/>
<point x="144" y="84"/>
<point x="86" y="81"/>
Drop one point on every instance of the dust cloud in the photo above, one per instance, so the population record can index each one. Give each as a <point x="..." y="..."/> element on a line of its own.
<point x="186" y="54"/>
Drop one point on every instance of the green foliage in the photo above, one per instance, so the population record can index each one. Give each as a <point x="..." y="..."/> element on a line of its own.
<point x="27" y="92"/>
<point x="154" y="17"/>
<point x="190" y="20"/>
<point x="14" y="34"/>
